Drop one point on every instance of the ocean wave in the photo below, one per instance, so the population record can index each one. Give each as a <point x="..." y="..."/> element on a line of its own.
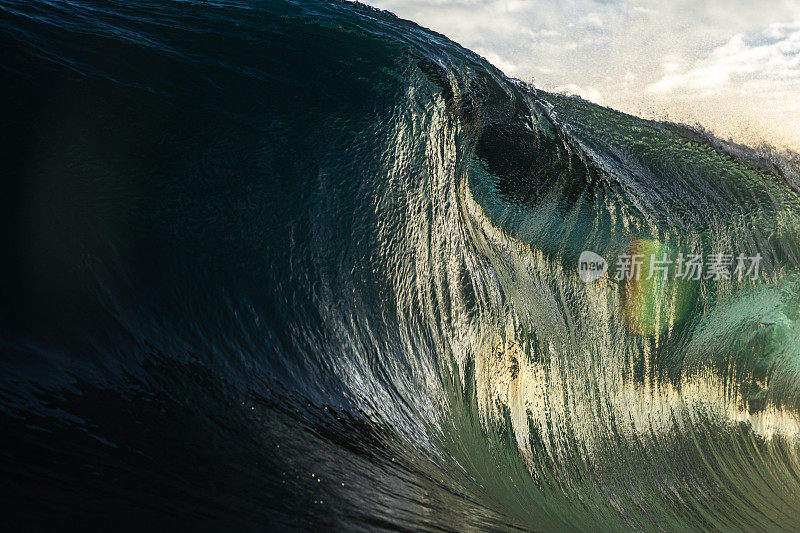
<point x="312" y="265"/>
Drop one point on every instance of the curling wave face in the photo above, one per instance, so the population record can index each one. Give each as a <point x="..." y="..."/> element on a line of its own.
<point x="312" y="265"/>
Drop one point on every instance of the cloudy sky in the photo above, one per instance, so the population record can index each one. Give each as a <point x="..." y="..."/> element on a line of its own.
<point x="732" y="66"/>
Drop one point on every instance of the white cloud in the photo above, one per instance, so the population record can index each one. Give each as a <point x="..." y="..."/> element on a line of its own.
<point x="509" y="68"/>
<point x="589" y="93"/>
<point x="740" y="65"/>
<point x="640" y="9"/>
<point x="670" y="66"/>
<point x="592" y="19"/>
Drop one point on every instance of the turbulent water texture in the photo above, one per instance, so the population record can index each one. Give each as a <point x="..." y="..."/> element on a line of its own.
<point x="308" y="265"/>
